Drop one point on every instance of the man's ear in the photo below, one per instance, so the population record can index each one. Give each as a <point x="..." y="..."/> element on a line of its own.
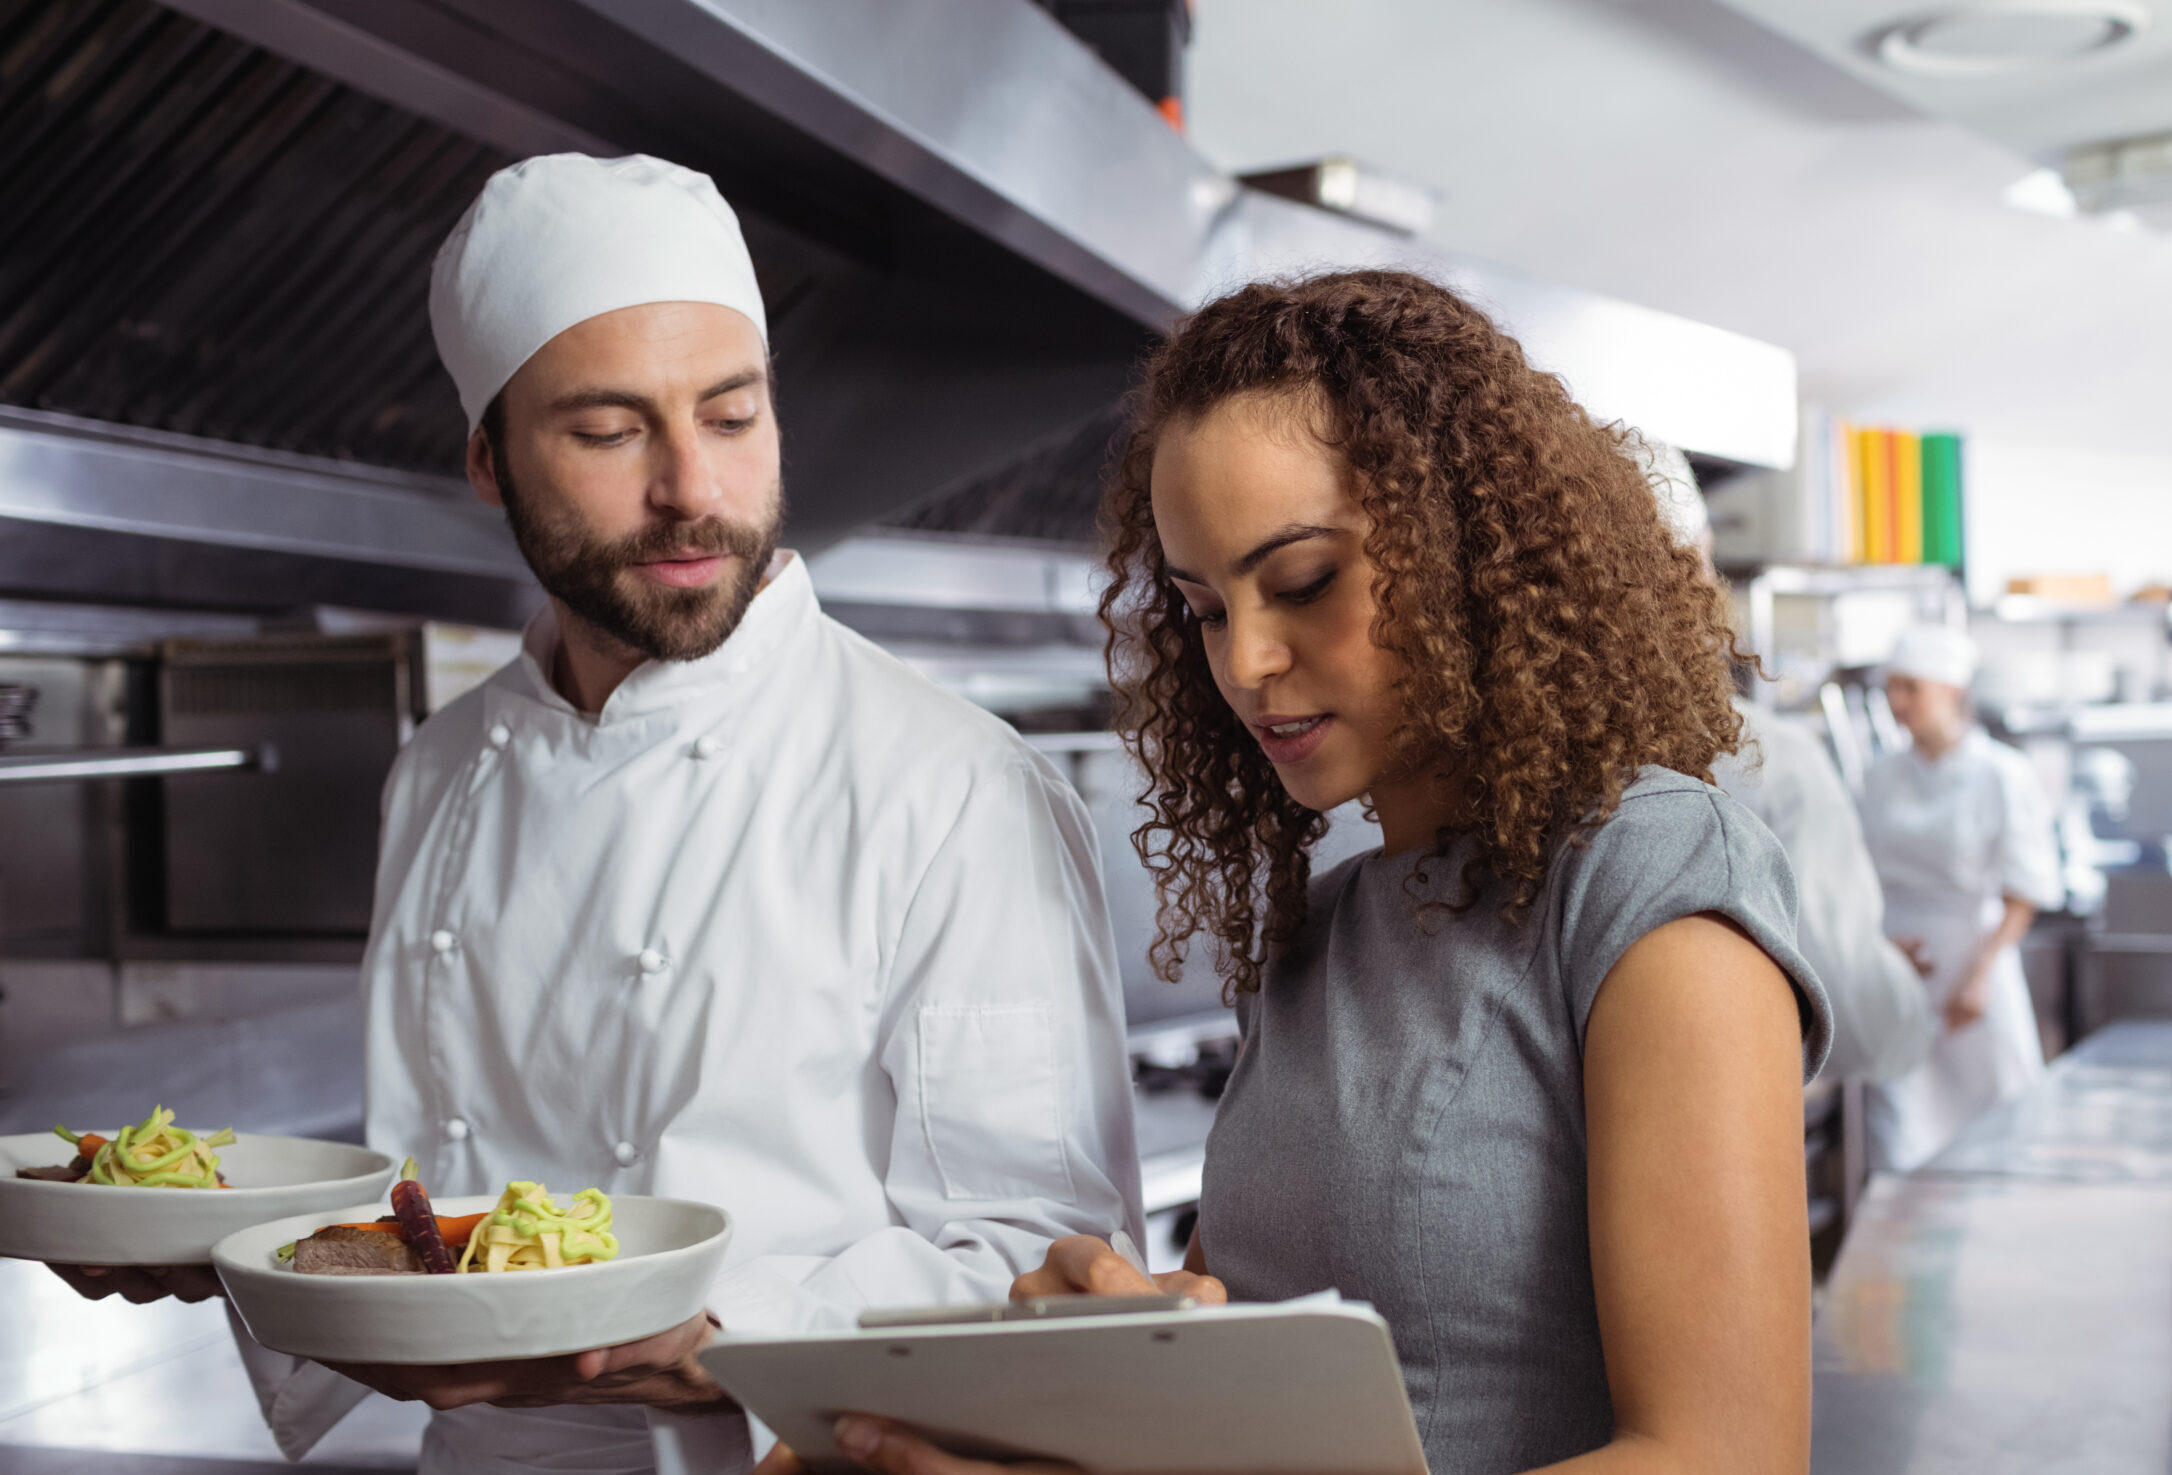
<point x="482" y="469"/>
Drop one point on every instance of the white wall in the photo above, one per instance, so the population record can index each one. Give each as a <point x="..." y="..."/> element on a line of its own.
<point x="1673" y="153"/>
<point x="2034" y="509"/>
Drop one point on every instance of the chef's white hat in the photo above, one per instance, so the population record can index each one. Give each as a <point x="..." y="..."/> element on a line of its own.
<point x="1935" y="653"/>
<point x="1674" y="486"/>
<point x="561" y="238"/>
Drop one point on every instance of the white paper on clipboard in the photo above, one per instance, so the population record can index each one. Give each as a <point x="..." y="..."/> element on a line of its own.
<point x="1301" y="1388"/>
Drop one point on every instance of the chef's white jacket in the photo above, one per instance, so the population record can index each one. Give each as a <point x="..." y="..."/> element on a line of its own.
<point x="786" y="929"/>
<point x="1953" y="836"/>
<point x="1881" y="1012"/>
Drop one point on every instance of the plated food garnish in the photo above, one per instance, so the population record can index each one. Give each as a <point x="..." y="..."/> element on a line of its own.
<point x="526" y="1230"/>
<point x="154" y="1153"/>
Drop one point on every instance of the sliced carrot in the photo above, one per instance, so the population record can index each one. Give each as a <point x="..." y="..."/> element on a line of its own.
<point x="89" y="1143"/>
<point x="456" y="1231"/>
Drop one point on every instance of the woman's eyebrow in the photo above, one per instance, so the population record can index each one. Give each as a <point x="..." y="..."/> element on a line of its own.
<point x="1296" y="532"/>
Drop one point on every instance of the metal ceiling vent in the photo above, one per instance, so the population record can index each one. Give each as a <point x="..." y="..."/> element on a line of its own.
<point x="1997" y="37"/>
<point x="203" y="238"/>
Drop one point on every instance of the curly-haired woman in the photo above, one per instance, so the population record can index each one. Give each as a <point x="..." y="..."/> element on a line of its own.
<point x="1527" y="1078"/>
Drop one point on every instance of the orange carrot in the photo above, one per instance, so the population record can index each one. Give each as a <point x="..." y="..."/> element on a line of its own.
<point x="456" y="1231"/>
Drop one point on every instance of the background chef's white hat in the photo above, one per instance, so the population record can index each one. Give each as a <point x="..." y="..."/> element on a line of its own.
<point x="1935" y="653"/>
<point x="561" y="238"/>
<point x="1674" y="487"/>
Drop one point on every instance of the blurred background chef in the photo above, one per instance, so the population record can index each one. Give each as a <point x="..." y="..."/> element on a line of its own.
<point x="1961" y="835"/>
<point x="1882" y="1023"/>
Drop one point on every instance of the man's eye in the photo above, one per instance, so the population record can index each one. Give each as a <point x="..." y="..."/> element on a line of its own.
<point x="731" y="427"/>
<point x="602" y="438"/>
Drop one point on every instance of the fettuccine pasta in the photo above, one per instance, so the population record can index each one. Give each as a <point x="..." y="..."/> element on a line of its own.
<point x="155" y="1153"/>
<point x="527" y="1231"/>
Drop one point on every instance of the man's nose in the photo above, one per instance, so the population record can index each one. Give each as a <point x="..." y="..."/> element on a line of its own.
<point x="681" y="479"/>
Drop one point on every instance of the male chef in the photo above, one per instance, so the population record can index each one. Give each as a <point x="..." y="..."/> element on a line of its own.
<point x="706" y="896"/>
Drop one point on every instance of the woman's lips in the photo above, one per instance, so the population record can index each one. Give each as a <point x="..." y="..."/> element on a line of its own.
<point x="1297" y="739"/>
<point x="684" y="573"/>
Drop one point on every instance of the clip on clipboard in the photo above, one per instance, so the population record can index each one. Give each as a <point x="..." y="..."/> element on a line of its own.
<point x="1151" y="1387"/>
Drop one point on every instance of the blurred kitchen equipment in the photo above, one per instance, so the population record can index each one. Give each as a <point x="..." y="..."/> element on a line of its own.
<point x="1809" y="624"/>
<point x="293" y="851"/>
<point x="17" y="702"/>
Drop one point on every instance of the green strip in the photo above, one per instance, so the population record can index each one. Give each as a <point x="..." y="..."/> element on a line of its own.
<point x="1942" y="500"/>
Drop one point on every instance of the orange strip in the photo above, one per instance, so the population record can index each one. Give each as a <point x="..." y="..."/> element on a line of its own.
<point x="456" y="1231"/>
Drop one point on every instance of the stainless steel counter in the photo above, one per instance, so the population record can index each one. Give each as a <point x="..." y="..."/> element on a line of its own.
<point x="2009" y="1307"/>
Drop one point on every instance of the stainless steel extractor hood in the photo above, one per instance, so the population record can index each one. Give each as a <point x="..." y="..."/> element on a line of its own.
<point x="967" y="225"/>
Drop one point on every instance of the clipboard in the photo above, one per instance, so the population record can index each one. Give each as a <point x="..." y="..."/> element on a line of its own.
<point x="1301" y="1388"/>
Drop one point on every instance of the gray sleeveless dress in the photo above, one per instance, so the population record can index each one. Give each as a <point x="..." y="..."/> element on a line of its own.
<point x="1406" y="1123"/>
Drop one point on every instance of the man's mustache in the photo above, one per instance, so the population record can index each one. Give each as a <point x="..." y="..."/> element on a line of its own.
<point x="708" y="538"/>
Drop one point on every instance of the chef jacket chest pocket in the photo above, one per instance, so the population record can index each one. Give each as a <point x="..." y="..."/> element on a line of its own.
<point x="989" y="1100"/>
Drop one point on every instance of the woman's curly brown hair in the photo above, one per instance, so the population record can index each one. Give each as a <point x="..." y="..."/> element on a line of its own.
<point x="1553" y="636"/>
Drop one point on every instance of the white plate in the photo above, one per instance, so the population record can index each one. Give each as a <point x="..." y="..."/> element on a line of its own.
<point x="669" y="1252"/>
<point x="91" y="1224"/>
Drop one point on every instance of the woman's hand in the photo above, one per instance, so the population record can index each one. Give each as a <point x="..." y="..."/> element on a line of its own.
<point x="1078" y="1266"/>
<point x="878" y="1444"/>
<point x="1085" y="1266"/>
<point x="1970" y="997"/>
<point x="1917" y="953"/>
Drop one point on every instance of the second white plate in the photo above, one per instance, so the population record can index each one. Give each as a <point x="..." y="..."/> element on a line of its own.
<point x="670" y="1250"/>
<point x="91" y="1224"/>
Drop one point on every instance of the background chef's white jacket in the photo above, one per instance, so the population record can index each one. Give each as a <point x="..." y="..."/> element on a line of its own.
<point x="1952" y="837"/>
<point x="786" y="929"/>
<point x="1882" y="1022"/>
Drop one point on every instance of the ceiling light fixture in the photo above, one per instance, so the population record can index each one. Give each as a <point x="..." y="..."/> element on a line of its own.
<point x="1995" y="37"/>
<point x="2123" y="175"/>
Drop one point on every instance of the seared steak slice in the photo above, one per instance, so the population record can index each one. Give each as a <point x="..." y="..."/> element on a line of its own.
<point x="52" y="1175"/>
<point x="341" y="1250"/>
<point x="362" y="1270"/>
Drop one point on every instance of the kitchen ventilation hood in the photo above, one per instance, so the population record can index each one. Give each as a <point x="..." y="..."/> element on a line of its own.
<point x="968" y="226"/>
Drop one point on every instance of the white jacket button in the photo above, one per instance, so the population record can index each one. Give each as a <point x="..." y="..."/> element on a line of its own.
<point x="652" y="961"/>
<point x="500" y="735"/>
<point x="706" y="746"/>
<point x="627" y="1154"/>
<point x="443" y="941"/>
<point x="456" y="1130"/>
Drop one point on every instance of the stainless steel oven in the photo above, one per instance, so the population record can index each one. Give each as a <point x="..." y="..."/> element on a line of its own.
<point x="291" y="850"/>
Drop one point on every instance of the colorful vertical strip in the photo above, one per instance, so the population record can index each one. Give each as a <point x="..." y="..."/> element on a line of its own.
<point x="1877" y="498"/>
<point x="1905" y="451"/>
<point x="1942" y="500"/>
<point x="1846" y="525"/>
<point x="1874" y="495"/>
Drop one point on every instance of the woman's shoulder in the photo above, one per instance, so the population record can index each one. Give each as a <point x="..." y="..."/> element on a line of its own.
<point x="1675" y="847"/>
<point x="1663" y="811"/>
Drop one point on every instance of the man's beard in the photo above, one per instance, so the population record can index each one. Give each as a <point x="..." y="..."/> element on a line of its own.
<point x="593" y="578"/>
